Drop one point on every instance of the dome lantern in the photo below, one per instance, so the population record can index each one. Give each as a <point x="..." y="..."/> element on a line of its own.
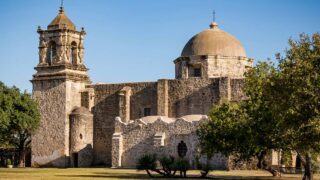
<point x="213" y="25"/>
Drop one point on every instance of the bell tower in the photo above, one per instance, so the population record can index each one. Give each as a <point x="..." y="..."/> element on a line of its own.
<point x="60" y="78"/>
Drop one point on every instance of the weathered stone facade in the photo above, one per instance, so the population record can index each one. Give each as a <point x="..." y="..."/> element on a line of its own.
<point x="81" y="137"/>
<point x="160" y="135"/>
<point x="85" y="124"/>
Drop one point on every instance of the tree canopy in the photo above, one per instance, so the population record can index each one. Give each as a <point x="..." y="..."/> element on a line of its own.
<point x="19" y="118"/>
<point x="281" y="110"/>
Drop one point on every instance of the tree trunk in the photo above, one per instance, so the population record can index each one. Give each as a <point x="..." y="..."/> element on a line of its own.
<point x="263" y="165"/>
<point x="21" y="157"/>
<point x="204" y="173"/>
<point x="261" y="158"/>
<point x="307" y="168"/>
<point x="150" y="175"/>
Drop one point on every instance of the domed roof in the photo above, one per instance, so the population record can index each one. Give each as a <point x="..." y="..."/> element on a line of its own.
<point x="213" y="42"/>
<point x="61" y="21"/>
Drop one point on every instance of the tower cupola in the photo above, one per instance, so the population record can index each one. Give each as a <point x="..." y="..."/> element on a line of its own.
<point x="61" y="43"/>
<point x="61" y="21"/>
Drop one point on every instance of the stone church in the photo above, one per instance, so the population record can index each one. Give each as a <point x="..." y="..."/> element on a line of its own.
<point x="85" y="124"/>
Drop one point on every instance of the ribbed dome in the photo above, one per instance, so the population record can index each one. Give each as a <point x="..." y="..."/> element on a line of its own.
<point x="213" y="42"/>
<point x="61" y="21"/>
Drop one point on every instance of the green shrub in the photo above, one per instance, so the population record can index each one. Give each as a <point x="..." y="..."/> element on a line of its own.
<point x="147" y="162"/>
<point x="169" y="166"/>
<point x="8" y="162"/>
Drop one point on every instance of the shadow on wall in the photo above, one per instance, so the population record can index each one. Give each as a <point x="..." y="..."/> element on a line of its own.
<point x="103" y="127"/>
<point x="84" y="158"/>
<point x="186" y="99"/>
<point x="198" y="101"/>
<point x="144" y="98"/>
<point x="107" y="108"/>
<point x="61" y="162"/>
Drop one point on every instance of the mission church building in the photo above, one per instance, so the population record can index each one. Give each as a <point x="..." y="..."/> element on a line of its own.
<point x="84" y="124"/>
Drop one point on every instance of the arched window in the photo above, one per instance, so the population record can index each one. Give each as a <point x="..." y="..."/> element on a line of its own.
<point x="182" y="149"/>
<point x="74" y="53"/>
<point x="52" y="52"/>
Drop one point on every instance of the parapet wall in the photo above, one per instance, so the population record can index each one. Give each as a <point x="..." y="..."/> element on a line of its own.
<point x="160" y="135"/>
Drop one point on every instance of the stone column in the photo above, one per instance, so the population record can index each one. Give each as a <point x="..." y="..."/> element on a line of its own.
<point x="117" y="149"/>
<point x="184" y="70"/>
<point x="225" y="89"/>
<point x="162" y="98"/>
<point x="124" y="103"/>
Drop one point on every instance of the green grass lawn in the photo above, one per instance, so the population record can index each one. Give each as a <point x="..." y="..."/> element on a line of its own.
<point x="107" y="173"/>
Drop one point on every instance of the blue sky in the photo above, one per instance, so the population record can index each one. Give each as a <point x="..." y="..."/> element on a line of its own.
<point x="138" y="40"/>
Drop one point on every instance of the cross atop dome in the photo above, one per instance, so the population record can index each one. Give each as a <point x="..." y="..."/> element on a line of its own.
<point x="213" y="25"/>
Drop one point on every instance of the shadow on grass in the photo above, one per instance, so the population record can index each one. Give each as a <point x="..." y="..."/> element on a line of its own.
<point x="142" y="176"/>
<point x="249" y="178"/>
<point x="122" y="176"/>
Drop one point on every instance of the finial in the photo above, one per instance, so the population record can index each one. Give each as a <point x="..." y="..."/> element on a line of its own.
<point x="61" y="11"/>
<point x="214" y="25"/>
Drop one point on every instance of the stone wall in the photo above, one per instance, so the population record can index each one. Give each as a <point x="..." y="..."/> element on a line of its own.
<point x="192" y="96"/>
<point x="160" y="135"/>
<point x="227" y="66"/>
<point x="173" y="98"/>
<point x="212" y="66"/>
<point x="57" y="96"/>
<point x="106" y="108"/>
<point x="48" y="142"/>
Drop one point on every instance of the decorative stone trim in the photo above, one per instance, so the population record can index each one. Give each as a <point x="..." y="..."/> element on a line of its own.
<point x="116" y="150"/>
<point x="158" y="139"/>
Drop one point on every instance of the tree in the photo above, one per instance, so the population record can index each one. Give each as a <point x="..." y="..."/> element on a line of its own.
<point x="282" y="109"/>
<point x="296" y="94"/>
<point x="244" y="129"/>
<point x="265" y="129"/>
<point x="21" y="118"/>
<point x="5" y="108"/>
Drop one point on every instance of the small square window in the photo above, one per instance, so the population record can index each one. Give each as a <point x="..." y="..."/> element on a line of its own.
<point x="147" y="111"/>
<point x="197" y="72"/>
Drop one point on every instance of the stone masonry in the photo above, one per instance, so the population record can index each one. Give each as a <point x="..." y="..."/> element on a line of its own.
<point x="84" y="124"/>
